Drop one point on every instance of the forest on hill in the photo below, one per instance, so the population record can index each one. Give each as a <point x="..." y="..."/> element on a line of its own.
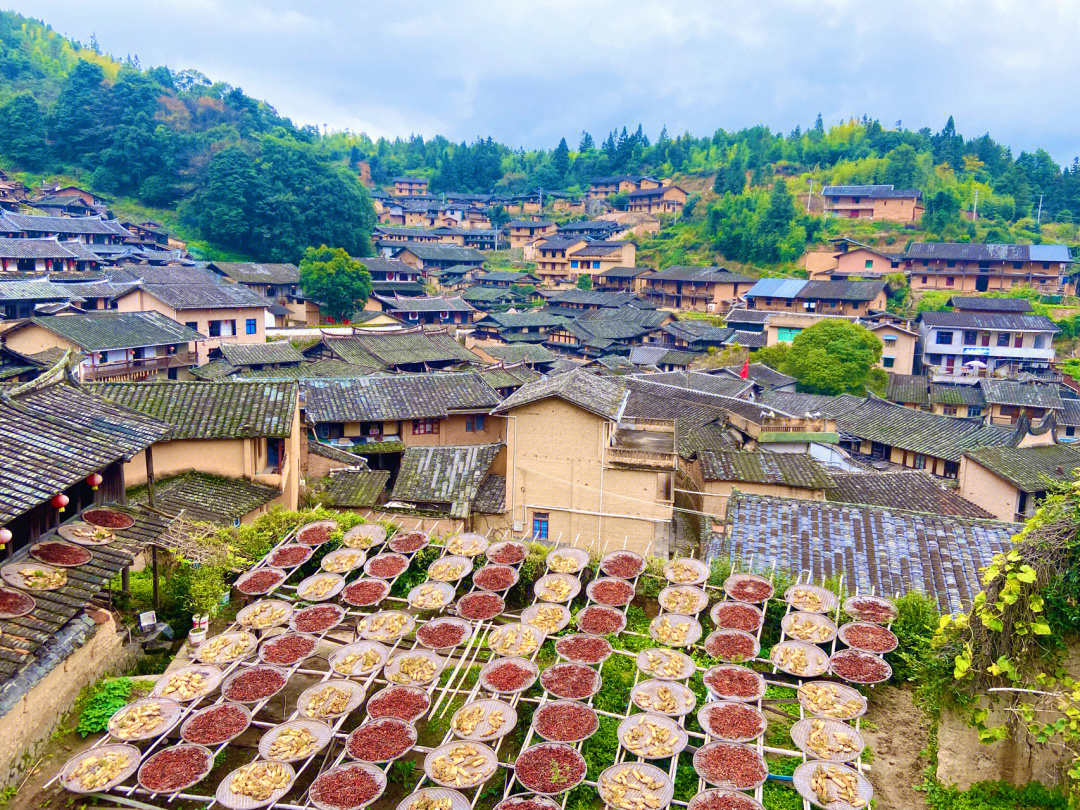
<point x="248" y="181"/>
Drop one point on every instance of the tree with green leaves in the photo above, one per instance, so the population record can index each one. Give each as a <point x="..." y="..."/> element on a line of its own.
<point x="560" y="160"/>
<point x="584" y="282"/>
<point x="942" y="212"/>
<point x="498" y="216"/>
<point x="340" y="283"/>
<point x="902" y="167"/>
<point x="834" y="356"/>
<point x="24" y="132"/>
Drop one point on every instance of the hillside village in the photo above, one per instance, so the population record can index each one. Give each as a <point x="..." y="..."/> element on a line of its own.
<point x="557" y="382"/>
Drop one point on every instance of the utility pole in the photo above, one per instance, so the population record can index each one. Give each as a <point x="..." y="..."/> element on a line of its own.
<point x="975" y="207"/>
<point x="1038" y="218"/>
<point x="810" y="196"/>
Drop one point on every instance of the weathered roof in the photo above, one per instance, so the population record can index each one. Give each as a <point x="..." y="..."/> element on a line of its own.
<point x="1030" y="469"/>
<point x="801" y="404"/>
<point x="355" y="489"/>
<point x="530" y="353"/>
<point x="693" y="331"/>
<point x="436" y="303"/>
<point x="53" y="436"/>
<point x="335" y="453"/>
<point x="398" y="348"/>
<point x="598" y="298"/>
<point x="206" y="296"/>
<point x="682" y="272"/>
<point x="913" y="490"/>
<point x="83" y="226"/>
<point x="320" y="369"/>
<point x="511" y="276"/>
<point x="908" y="388"/>
<point x="252" y="354"/>
<point x="976" y="252"/>
<point x="43" y="249"/>
<point x="1011" y="392"/>
<point x="720" y="384"/>
<point x="380" y="264"/>
<point x="748" y="340"/>
<point x="1011" y="321"/>
<point x="214" y="370"/>
<point x="876" y="549"/>
<point x="979" y="303"/>
<point x="521" y="320"/>
<point x="491" y="496"/>
<point x="599" y="248"/>
<point x="1069" y="415"/>
<point x="499" y="377"/>
<point x="210" y="410"/>
<point x="38" y="289"/>
<point x="747" y="315"/>
<point x="485" y="294"/>
<point x="942" y="394"/>
<point x="529" y="223"/>
<point x="436" y="251"/>
<point x="109" y="329"/>
<point x="205" y="498"/>
<point x="397" y="396"/>
<point x="258" y="273"/>
<point x="448" y="474"/>
<point x="760" y="373"/>
<point x="623" y="272"/>
<point x="600" y="395"/>
<point x="943" y="437"/>
<point x="647" y="318"/>
<point x="856" y="291"/>
<point x="662" y="356"/>
<point x="763" y="467"/>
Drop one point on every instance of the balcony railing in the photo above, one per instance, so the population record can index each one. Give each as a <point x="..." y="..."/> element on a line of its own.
<point x="642" y="458"/>
<point x="139" y="366"/>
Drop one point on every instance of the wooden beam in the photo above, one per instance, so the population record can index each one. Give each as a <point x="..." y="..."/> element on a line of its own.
<point x="150" y="476"/>
<point x="154" y="564"/>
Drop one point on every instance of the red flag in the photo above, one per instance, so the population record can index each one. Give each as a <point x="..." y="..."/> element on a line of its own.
<point x="745" y="368"/>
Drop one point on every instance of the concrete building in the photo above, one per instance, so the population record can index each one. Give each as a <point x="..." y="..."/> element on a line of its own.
<point x="1009" y="482"/>
<point x="963" y="346"/>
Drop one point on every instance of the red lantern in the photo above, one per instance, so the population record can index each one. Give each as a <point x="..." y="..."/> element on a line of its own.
<point x="94" y="480"/>
<point x="5" y="537"/>
<point x="60" y="500"/>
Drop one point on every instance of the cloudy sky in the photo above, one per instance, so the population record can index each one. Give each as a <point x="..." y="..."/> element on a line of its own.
<point x="531" y="72"/>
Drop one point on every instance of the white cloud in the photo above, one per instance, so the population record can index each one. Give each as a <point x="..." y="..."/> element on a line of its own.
<point x="528" y="73"/>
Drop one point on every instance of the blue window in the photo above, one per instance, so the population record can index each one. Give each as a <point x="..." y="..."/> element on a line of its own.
<point x="474" y="424"/>
<point x="540" y="526"/>
<point x="252" y="326"/>
<point x="573" y="263"/>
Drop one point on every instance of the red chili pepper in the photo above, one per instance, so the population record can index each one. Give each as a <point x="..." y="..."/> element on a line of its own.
<point x="314" y="536"/>
<point x="510" y="554"/>
<point x="287" y="649"/>
<point x="316" y="619"/>
<point x="624" y="566"/>
<point x="729" y="646"/>
<point x="289" y="557"/>
<point x="494" y="578"/>
<point x="441" y="635"/>
<point x="12" y="602"/>
<point x="583" y="649"/>
<point x="738" y="617"/>
<point x="380" y="740"/>
<point x="408" y="543"/>
<point x="365" y="592"/>
<point x="612" y="592"/>
<point x="215" y="726"/>
<point x="733" y="722"/>
<point x="255" y="684"/>
<point x="508" y="676"/>
<point x="751" y="590"/>
<point x="733" y="682"/>
<point x="565" y="722"/>
<point x="107" y="519"/>
<point x="550" y="768"/>
<point x="386" y="566"/>
<point x="600" y="621"/>
<point x="720" y="802"/>
<point x="859" y="667"/>
<point x="870" y="637"/>
<point x="404" y="704"/>
<point x="174" y="768"/>
<point x="260" y="582"/>
<point x="344" y="788"/>
<point x="62" y="554"/>
<point x="724" y="763"/>
<point x="572" y="681"/>
<point x="481" y="606"/>
<point x="871" y="610"/>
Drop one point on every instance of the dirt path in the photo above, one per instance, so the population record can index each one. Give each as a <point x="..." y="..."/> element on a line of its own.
<point x="898" y="733"/>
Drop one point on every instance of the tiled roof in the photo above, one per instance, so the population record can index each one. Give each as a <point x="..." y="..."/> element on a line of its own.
<point x="335" y="454"/>
<point x="449" y="474"/>
<point x="787" y="469"/>
<point x="679" y="272"/>
<point x="908" y="388"/>
<point x="1030" y="469"/>
<point x="913" y="490"/>
<point x="878" y="192"/>
<point x="598" y="298"/>
<point x="748" y="340"/>
<point x="511" y="276"/>
<point x="1069" y="415"/>
<point x="252" y="354"/>
<point x="976" y="252"/>
<point x="521" y="320"/>
<point x="211" y="410"/>
<point x="355" y="489"/>
<point x="380" y="264"/>
<point x="887" y="551"/>
<point x="709" y="436"/>
<point x="206" y="296"/>
<point x="599" y="249"/>
<point x="499" y="377"/>
<point x="92" y="226"/>
<point x="801" y="404"/>
<point x="698" y="331"/>
<point x="430" y="304"/>
<point x="623" y="272"/>
<point x="397" y="396"/>
<point x="109" y="329"/>
<point x="482" y="294"/>
<point x="528" y="223"/>
<point x="256" y="273"/>
<point x="436" y="251"/>
<point x="204" y="498"/>
<point x="943" y="437"/>
<point x="399" y="348"/>
<point x="747" y="316"/>
<point x="662" y="356"/>
<point x="519" y="353"/>
<point x="391" y="289"/>
<point x="760" y="373"/>
<point x="1008" y="321"/>
<point x="646" y="318"/>
<point x="599" y="395"/>
<point x="320" y="369"/>
<point x="841" y="290"/>
<point x="1010" y="392"/>
<point x="941" y="394"/>
<point x="43" y="249"/>
<point x="58" y="438"/>
<point x="39" y="289"/>
<point x="609" y="329"/>
<point x="720" y="384"/>
<point x="491" y="496"/>
<point x="979" y="303"/>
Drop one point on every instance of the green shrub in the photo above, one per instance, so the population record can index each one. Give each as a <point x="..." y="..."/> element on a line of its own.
<point x="106" y="698"/>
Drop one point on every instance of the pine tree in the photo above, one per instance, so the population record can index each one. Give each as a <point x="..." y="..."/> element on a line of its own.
<point x="560" y="159"/>
<point x="586" y="143"/>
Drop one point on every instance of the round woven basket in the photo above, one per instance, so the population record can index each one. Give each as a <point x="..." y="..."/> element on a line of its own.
<point x="686" y="571"/>
<point x="375" y="773"/>
<point x="800" y="598"/>
<point x="853" y="608"/>
<point x="343" y="560"/>
<point x="646" y="749"/>
<point x="817" y="662"/>
<point x="130" y="751"/>
<point x="403" y="562"/>
<point x="591" y="588"/>
<point x="635" y="790"/>
<point x="340" y="617"/>
<point x="515" y="639"/>
<point x="246" y="617"/>
<point x="187" y="724"/>
<point x="305" y="592"/>
<point x="713" y="639"/>
<point x="717" y="611"/>
<point x="530" y="613"/>
<point x="542" y="587"/>
<point x="208" y="760"/>
<point x="467" y="544"/>
<point x="451" y="568"/>
<point x="538" y="750"/>
<point x="12" y="576"/>
<point x="562" y="644"/>
<point x="845" y="631"/>
<point x="356" y="697"/>
<point x="308" y="553"/>
<point x="237" y="801"/>
<point x="689" y="600"/>
<point x="646" y="695"/>
<point x="355" y="602"/>
<point x="484" y="771"/>
<point x="732" y="583"/>
<point x="408" y="728"/>
<point x="567" y="560"/>
<point x="597" y="680"/>
<point x="211" y="679"/>
<point x="750" y="803"/>
<point x="706" y="710"/>
<point x="411" y="689"/>
<point x="812" y="628"/>
<point x="843" y="655"/>
<point x="358" y="647"/>
<point x="514" y="802"/>
<point x="422" y="596"/>
<point x="516" y="549"/>
<point x="483" y="730"/>
<point x="654" y="663"/>
<point x="364" y="535"/>
<point x="843" y="695"/>
<point x="715" y="695"/>
<point x="399" y="545"/>
<point x="607" y="559"/>
<point x="802" y="731"/>
<point x="170" y="716"/>
<point x="591" y="609"/>
<point x="203" y="652"/>
<point x="720" y="781"/>
<point x="375" y="628"/>
<point x="426" y="796"/>
<point x="446" y="620"/>
<point x="269" y="643"/>
<point x="332" y="525"/>
<point x="392" y="671"/>
<point x="805" y="773"/>
<point x="577" y="706"/>
<point x="242" y="670"/>
<point x="524" y="663"/>
<point x="478" y="577"/>
<point x="676" y="620"/>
